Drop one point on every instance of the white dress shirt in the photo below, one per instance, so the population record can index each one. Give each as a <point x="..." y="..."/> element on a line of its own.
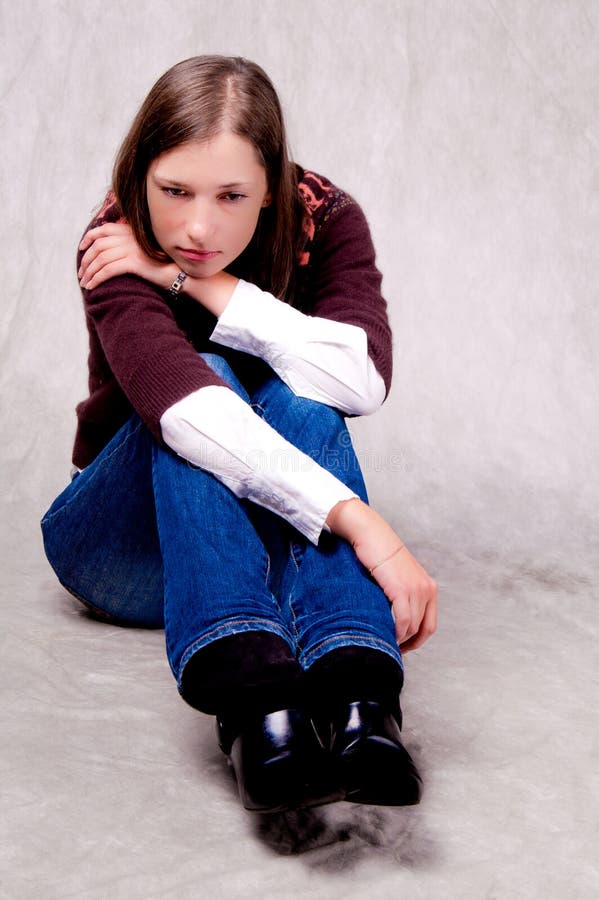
<point x="317" y="358"/>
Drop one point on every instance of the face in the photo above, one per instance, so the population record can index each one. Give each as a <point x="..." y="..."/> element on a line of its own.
<point x="204" y="201"/>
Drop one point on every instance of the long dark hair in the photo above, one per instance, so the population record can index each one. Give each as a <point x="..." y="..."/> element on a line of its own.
<point x="196" y="100"/>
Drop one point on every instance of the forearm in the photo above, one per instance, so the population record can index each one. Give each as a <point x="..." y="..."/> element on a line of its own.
<point x="217" y="431"/>
<point x="363" y="528"/>
<point x="213" y="293"/>
<point x="318" y="358"/>
<point x="410" y="590"/>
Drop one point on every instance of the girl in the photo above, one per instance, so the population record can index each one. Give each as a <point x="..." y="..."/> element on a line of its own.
<point x="235" y="317"/>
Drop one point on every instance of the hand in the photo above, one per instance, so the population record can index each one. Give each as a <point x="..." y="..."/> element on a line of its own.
<point x="410" y="590"/>
<point x="112" y="250"/>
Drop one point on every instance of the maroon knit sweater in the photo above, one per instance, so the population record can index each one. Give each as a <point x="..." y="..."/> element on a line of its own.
<point x="143" y="346"/>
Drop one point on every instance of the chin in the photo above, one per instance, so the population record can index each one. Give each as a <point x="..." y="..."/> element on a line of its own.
<point x="198" y="270"/>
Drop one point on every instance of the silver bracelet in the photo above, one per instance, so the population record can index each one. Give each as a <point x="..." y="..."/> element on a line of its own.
<point x="177" y="284"/>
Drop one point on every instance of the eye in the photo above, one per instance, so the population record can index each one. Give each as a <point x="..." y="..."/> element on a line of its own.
<point x="233" y="197"/>
<point x="173" y="192"/>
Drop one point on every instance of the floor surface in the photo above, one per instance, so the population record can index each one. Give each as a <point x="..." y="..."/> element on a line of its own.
<point x="115" y="789"/>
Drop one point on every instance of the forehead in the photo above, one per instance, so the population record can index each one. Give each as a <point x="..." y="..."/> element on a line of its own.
<point x="227" y="156"/>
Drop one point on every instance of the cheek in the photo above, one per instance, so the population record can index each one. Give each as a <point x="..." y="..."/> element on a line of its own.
<point x="249" y="225"/>
<point x="162" y="220"/>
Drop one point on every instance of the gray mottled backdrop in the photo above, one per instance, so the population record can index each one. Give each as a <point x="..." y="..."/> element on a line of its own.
<point x="469" y="132"/>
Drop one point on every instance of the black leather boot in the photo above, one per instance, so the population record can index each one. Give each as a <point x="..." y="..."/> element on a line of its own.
<point x="372" y="764"/>
<point x="279" y="761"/>
<point x="255" y="686"/>
<point x="355" y="694"/>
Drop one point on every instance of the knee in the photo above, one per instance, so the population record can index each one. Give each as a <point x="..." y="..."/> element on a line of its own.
<point x="326" y="423"/>
<point x="275" y="399"/>
<point x="221" y="367"/>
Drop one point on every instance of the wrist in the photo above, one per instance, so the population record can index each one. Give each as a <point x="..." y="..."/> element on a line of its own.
<point x="365" y="529"/>
<point x="169" y="274"/>
<point x="349" y="517"/>
<point x="213" y="292"/>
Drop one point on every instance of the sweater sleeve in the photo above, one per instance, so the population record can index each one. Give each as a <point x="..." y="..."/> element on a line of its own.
<point x="148" y="354"/>
<point x="345" y="284"/>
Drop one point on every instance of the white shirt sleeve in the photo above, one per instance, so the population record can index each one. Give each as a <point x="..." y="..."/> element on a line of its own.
<point x="317" y="358"/>
<point x="216" y="430"/>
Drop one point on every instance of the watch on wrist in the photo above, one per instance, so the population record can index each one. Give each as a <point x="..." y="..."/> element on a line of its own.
<point x="175" y="288"/>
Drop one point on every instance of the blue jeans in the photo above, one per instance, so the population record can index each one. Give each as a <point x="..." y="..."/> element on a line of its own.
<point x="142" y="537"/>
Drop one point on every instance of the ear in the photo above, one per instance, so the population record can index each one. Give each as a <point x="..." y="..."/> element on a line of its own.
<point x="267" y="199"/>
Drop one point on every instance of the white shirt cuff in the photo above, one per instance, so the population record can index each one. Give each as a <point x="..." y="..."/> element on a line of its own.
<point x="216" y="430"/>
<point x="318" y="358"/>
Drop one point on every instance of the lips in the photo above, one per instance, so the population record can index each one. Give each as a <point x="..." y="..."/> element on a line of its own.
<point x="198" y="255"/>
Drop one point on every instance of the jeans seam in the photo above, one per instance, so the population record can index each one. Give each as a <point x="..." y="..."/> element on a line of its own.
<point x="170" y="643"/>
<point x="165" y="605"/>
<point x="290" y="599"/>
<point x="292" y="554"/>
<point x="294" y="620"/>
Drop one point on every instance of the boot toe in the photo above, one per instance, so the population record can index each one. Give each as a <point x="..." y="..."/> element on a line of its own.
<point x="279" y="763"/>
<point x="374" y="767"/>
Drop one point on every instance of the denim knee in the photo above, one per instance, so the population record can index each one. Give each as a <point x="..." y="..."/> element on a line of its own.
<point x="222" y="368"/>
<point x="315" y="428"/>
<point x="275" y="393"/>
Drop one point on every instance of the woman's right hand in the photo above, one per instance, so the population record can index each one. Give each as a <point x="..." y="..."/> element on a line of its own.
<point x="410" y="590"/>
<point x="112" y="250"/>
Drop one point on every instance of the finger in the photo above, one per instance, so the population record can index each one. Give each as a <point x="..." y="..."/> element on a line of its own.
<point x="103" y="251"/>
<point x="94" y="261"/>
<point x="92" y="235"/>
<point x="403" y="618"/>
<point x="87" y="258"/>
<point x="417" y="608"/>
<point x="427" y="628"/>
<point x="98" y="246"/>
<point x="109" y="271"/>
<point x="105" y="266"/>
<point x="108" y="229"/>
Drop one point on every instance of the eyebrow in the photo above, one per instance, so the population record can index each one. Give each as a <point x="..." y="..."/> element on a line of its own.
<point x="179" y="184"/>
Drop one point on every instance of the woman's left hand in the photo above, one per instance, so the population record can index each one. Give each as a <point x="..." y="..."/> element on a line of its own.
<point x="409" y="589"/>
<point x="112" y="250"/>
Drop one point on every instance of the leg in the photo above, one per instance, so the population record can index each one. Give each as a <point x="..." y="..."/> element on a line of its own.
<point x="216" y="569"/>
<point x="100" y="533"/>
<point x="330" y="600"/>
<point x="102" y="538"/>
<point x="141" y="537"/>
<point x="239" y="664"/>
<point x="343" y="624"/>
<point x="215" y="565"/>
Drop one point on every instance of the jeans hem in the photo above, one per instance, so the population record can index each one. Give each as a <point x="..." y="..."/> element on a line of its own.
<point x="308" y="658"/>
<point x="232" y="626"/>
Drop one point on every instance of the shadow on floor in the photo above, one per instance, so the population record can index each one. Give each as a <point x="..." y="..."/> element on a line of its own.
<point x="339" y="836"/>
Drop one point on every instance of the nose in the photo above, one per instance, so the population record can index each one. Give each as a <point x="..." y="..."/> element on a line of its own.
<point x="201" y="223"/>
